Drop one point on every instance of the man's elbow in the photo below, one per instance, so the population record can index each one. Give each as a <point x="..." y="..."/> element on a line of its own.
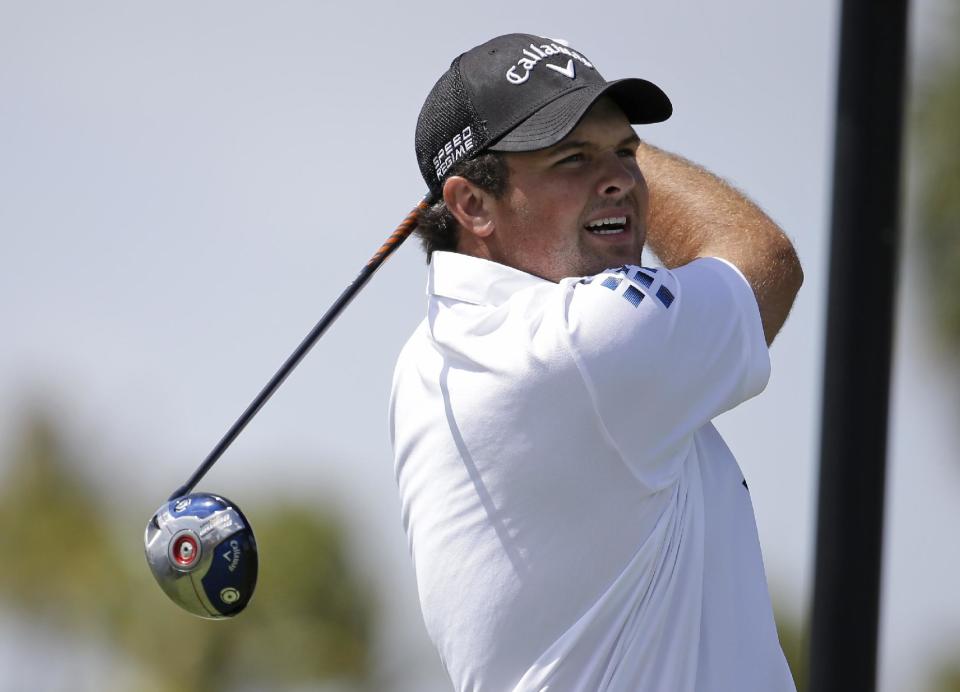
<point x="792" y="271"/>
<point x="785" y="281"/>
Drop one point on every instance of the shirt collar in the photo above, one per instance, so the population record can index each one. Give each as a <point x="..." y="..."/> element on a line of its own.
<point x="475" y="280"/>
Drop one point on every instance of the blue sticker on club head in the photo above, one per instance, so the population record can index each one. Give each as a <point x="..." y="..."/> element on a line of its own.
<point x="232" y="574"/>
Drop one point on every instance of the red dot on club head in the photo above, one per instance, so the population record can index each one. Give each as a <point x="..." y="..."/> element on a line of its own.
<point x="185" y="550"/>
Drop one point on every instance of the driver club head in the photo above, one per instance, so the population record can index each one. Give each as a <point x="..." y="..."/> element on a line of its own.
<point x="201" y="550"/>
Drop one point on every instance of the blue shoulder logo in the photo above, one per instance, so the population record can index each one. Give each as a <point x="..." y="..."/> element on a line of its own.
<point x="636" y="277"/>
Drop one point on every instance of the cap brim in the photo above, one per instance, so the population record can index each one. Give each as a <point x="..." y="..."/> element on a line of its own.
<point x="641" y="101"/>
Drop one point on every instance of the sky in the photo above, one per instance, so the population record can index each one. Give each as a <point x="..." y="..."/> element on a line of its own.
<point x="188" y="186"/>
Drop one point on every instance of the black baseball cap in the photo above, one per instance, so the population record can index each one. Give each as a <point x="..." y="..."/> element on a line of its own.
<point x="518" y="92"/>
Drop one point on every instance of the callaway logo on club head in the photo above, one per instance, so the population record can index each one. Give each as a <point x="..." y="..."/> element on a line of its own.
<point x="534" y="54"/>
<point x="232" y="556"/>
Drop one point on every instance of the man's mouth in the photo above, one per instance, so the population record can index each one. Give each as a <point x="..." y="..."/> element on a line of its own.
<point x="607" y="226"/>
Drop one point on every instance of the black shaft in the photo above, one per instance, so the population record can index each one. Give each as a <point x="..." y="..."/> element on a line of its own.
<point x="860" y="318"/>
<point x="349" y="293"/>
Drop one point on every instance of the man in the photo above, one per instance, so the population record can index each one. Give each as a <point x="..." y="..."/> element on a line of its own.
<point x="575" y="521"/>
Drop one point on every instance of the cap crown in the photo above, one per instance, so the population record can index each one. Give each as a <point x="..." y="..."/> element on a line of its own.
<point x="489" y="90"/>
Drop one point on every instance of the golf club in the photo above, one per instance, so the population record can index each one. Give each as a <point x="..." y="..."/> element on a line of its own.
<point x="200" y="547"/>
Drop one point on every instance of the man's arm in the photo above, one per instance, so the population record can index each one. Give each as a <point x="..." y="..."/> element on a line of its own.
<point x="693" y="214"/>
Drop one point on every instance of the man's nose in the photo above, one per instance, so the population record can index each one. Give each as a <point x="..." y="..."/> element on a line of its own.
<point x="619" y="175"/>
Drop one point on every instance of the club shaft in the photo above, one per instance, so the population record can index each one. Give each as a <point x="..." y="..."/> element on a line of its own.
<point x="349" y="293"/>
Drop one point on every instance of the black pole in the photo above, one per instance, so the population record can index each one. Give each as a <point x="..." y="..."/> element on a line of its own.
<point x="860" y="313"/>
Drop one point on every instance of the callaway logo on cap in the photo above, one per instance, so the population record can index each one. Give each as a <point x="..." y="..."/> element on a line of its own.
<point x="537" y="53"/>
<point x="518" y="92"/>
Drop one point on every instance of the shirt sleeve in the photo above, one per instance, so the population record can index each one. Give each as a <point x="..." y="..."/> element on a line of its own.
<point x="662" y="352"/>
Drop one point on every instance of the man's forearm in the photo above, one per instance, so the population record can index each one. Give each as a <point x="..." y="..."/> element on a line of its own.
<point x="693" y="213"/>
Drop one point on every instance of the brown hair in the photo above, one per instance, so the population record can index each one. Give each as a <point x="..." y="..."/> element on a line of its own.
<point x="436" y="226"/>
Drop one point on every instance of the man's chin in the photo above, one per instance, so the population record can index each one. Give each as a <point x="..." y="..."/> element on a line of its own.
<point x="612" y="260"/>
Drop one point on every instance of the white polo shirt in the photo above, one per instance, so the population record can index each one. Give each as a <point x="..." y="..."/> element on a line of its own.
<point x="575" y="521"/>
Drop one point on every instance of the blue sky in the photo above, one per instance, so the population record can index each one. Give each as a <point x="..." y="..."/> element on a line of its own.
<point x="187" y="187"/>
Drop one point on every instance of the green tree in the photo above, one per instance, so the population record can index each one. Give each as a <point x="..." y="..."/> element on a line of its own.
<point x="53" y="530"/>
<point x="793" y="641"/>
<point x="310" y="620"/>
<point x="947" y="678"/>
<point x="937" y="138"/>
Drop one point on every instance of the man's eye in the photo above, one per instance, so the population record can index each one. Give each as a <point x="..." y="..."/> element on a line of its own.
<point x="629" y="153"/>
<point x="573" y="158"/>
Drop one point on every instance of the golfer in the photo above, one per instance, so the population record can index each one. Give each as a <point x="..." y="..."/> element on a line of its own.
<point x="576" y="522"/>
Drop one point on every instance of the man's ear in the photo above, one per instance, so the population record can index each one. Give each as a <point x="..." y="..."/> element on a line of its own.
<point x="470" y="206"/>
